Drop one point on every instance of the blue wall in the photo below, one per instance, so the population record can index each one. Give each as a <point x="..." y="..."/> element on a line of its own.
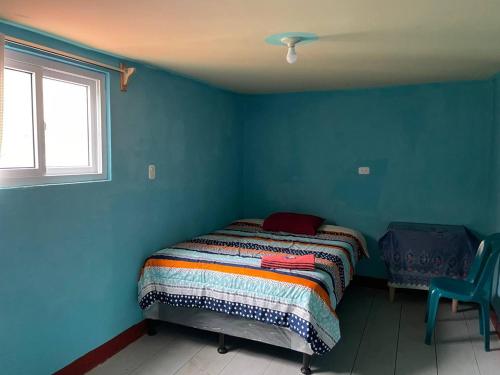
<point x="70" y="254"/>
<point x="496" y="184"/>
<point x="428" y="147"/>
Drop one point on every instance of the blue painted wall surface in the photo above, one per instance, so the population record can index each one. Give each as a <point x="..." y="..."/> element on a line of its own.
<point x="496" y="184"/>
<point x="70" y="254"/>
<point x="428" y="147"/>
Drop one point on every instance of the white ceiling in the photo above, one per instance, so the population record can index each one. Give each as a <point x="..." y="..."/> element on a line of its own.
<point x="363" y="43"/>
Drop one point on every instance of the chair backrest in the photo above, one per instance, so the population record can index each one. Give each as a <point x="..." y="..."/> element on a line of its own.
<point x="478" y="262"/>
<point x="484" y="281"/>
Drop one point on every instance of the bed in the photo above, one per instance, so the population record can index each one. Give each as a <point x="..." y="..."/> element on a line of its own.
<point x="215" y="282"/>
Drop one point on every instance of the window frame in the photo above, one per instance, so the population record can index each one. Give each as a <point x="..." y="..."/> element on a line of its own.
<point x="95" y="81"/>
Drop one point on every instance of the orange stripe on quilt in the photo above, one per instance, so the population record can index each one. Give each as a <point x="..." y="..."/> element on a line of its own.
<point x="243" y="271"/>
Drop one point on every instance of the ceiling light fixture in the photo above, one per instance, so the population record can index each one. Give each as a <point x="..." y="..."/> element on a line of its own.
<point x="290" y="40"/>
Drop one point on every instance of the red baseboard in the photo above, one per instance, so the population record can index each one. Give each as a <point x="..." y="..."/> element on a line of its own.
<point x="105" y="351"/>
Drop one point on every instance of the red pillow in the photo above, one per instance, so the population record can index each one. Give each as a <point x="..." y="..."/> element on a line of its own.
<point x="292" y="223"/>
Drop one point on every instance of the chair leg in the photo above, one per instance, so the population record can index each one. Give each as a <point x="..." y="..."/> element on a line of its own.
<point x="431" y="320"/>
<point x="454" y="306"/>
<point x="427" y="306"/>
<point x="485" y="311"/>
<point x="481" y="324"/>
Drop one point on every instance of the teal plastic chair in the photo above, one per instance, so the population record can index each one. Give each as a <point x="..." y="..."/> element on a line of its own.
<point x="474" y="270"/>
<point x="475" y="288"/>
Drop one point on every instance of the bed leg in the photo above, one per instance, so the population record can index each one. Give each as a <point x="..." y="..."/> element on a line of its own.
<point x="151" y="327"/>
<point x="222" y="348"/>
<point x="306" y="364"/>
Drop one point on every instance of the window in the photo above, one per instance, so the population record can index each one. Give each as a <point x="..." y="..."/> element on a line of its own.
<point x="54" y="122"/>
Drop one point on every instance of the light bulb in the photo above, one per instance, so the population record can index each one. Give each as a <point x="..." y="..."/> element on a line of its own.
<point x="291" y="56"/>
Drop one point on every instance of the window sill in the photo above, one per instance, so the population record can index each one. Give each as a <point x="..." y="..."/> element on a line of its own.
<point x="20" y="183"/>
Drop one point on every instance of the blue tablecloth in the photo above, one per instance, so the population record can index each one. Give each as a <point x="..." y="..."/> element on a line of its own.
<point x="414" y="253"/>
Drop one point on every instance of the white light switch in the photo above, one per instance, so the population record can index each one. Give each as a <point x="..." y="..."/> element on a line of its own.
<point x="151" y="171"/>
<point x="364" y="170"/>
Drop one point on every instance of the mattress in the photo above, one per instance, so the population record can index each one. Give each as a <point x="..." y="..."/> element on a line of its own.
<point x="221" y="272"/>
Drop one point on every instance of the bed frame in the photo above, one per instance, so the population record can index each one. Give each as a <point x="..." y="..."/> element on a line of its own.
<point x="231" y="325"/>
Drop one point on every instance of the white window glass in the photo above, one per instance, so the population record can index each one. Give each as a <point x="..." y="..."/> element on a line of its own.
<point x="17" y="149"/>
<point x="66" y="115"/>
<point x="54" y="123"/>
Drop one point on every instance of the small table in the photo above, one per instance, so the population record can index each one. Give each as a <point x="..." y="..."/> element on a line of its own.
<point x="414" y="253"/>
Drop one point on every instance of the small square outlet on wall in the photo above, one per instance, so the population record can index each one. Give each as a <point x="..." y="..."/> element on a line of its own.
<point x="364" y="170"/>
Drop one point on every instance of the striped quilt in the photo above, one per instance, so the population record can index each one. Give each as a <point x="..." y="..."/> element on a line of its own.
<point x="221" y="272"/>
